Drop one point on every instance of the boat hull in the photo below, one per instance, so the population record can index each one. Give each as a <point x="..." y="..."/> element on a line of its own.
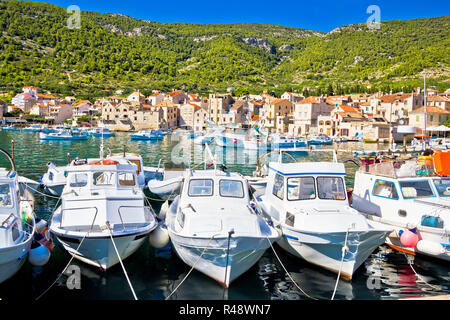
<point x="166" y="190"/>
<point x="99" y="251"/>
<point x="141" y="137"/>
<point x="55" y="190"/>
<point x="104" y="135"/>
<point x="394" y="242"/>
<point x="62" y="138"/>
<point x="325" y="250"/>
<point x="12" y="259"/>
<point x="243" y="254"/>
<point x="228" y="142"/>
<point x="319" y="143"/>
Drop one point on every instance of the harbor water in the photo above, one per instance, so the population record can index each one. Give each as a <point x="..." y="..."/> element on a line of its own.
<point x="154" y="273"/>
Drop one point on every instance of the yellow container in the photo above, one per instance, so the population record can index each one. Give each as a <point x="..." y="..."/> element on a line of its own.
<point x="425" y="161"/>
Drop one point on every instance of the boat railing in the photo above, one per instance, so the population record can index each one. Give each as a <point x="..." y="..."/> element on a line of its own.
<point x="78" y="209"/>
<point x="150" y="210"/>
<point x="399" y="169"/>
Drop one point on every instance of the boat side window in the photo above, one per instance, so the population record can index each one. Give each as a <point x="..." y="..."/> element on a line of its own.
<point x="331" y="188"/>
<point x="50" y="176"/>
<point x="231" y="188"/>
<point x="385" y="189"/>
<point x="301" y="188"/>
<point x="126" y="179"/>
<point x="138" y="164"/>
<point x="442" y="187"/>
<point x="15" y="232"/>
<point x="416" y="189"/>
<point x="200" y="188"/>
<point x="78" y="180"/>
<point x="278" y="186"/>
<point x="5" y="195"/>
<point x="104" y="178"/>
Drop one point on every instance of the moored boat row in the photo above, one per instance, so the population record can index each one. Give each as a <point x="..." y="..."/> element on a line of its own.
<point x="216" y="227"/>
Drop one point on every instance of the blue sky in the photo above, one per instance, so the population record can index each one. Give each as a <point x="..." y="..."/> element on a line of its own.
<point x="319" y="15"/>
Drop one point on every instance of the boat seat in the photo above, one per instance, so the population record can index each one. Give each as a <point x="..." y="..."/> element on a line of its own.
<point x="409" y="192"/>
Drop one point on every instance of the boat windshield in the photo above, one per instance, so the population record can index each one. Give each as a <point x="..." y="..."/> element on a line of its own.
<point x="301" y="188"/>
<point x="331" y="188"/>
<point x="442" y="187"/>
<point x="5" y="195"/>
<point x="416" y="189"/>
<point x="78" y="180"/>
<point x="126" y="179"/>
<point x="231" y="188"/>
<point x="138" y="164"/>
<point x="104" y="178"/>
<point x="200" y="188"/>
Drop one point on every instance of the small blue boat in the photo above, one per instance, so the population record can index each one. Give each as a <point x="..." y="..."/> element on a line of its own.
<point x="33" y="128"/>
<point x="97" y="132"/>
<point x="320" y="140"/>
<point x="146" y="135"/>
<point x="10" y="128"/>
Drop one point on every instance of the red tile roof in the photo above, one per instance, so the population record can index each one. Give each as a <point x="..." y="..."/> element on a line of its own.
<point x="309" y="100"/>
<point x="431" y="110"/>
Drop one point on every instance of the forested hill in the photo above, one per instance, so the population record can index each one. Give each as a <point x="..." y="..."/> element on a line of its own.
<point x="113" y="51"/>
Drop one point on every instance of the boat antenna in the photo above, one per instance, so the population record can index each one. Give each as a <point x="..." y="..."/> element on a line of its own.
<point x="101" y="145"/>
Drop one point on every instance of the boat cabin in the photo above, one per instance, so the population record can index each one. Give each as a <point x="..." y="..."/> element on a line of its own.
<point x="404" y="192"/>
<point x="291" y="186"/>
<point x="102" y="190"/>
<point x="10" y="222"/>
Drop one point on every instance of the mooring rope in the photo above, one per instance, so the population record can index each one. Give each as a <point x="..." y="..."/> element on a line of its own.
<point x="412" y="268"/>
<point x="285" y="270"/>
<point x="70" y="261"/>
<point x="43" y="194"/>
<point x="344" y="251"/>
<point x="193" y="266"/>
<point x="120" y="260"/>
<point x="226" y="266"/>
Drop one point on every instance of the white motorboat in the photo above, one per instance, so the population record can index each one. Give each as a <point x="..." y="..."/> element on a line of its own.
<point x="409" y="197"/>
<point x="165" y="181"/>
<point x="54" y="180"/>
<point x="16" y="236"/>
<point x="102" y="208"/>
<point x="308" y="202"/>
<point x="214" y="228"/>
<point x="204" y="139"/>
<point x="27" y="184"/>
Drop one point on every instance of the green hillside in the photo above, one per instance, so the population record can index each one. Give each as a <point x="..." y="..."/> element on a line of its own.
<point x="113" y="51"/>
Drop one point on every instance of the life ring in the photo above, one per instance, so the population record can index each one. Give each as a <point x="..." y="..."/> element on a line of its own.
<point x="104" y="163"/>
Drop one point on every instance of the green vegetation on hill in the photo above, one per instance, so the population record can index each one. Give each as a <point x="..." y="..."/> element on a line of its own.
<point x="112" y="51"/>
